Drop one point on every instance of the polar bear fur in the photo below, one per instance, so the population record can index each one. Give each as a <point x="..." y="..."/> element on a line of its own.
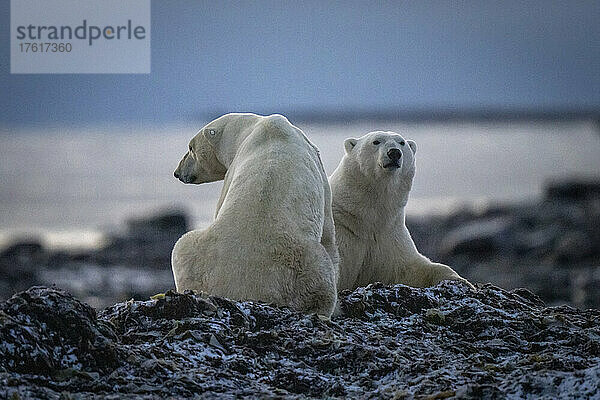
<point x="370" y="190"/>
<point x="273" y="237"/>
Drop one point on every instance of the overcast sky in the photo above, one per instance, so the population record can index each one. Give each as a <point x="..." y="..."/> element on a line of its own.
<point x="309" y="56"/>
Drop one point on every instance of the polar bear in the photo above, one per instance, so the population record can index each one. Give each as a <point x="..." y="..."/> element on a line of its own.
<point x="273" y="237"/>
<point x="370" y="190"/>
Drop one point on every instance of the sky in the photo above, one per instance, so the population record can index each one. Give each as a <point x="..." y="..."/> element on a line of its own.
<point x="210" y="57"/>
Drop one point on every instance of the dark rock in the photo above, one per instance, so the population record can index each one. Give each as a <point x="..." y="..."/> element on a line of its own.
<point x="481" y="238"/>
<point x="19" y="263"/>
<point x="448" y="341"/>
<point x="43" y="331"/>
<point x="535" y="240"/>
<point x="364" y="303"/>
<point x="573" y="247"/>
<point x="146" y="243"/>
<point x="573" y="189"/>
<point x="24" y="251"/>
<point x="135" y="263"/>
<point x="586" y="288"/>
<point x="542" y="245"/>
<point x="166" y="223"/>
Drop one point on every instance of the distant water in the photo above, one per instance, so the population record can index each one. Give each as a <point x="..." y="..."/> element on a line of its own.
<point x="69" y="185"/>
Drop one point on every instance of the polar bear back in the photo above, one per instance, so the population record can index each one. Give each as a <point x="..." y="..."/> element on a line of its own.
<point x="275" y="173"/>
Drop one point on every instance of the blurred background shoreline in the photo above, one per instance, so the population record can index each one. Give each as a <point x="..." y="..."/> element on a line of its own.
<point x="73" y="183"/>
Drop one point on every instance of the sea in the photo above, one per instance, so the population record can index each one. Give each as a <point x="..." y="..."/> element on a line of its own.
<point x="70" y="186"/>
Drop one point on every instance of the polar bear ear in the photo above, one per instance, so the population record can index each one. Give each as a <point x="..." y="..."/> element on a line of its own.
<point x="412" y="145"/>
<point x="349" y="144"/>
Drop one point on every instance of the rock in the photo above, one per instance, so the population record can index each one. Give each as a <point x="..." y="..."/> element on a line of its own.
<point x="146" y="243"/>
<point x="573" y="247"/>
<point x="573" y="189"/>
<point x="134" y="263"/>
<point x="19" y="263"/>
<point x="173" y="223"/>
<point x="537" y="240"/>
<point x="43" y="331"/>
<point x="586" y="287"/>
<point x="24" y="251"/>
<point x="481" y="238"/>
<point x="388" y="342"/>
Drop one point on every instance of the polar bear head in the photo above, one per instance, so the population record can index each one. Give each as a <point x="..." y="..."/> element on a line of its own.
<point x="210" y="152"/>
<point x="383" y="155"/>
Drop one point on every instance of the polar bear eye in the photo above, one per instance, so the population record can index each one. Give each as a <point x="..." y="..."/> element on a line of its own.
<point x="402" y="143"/>
<point x="376" y="142"/>
<point x="212" y="132"/>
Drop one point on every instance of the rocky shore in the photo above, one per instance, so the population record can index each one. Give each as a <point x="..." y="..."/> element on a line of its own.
<point x="134" y="263"/>
<point x="550" y="245"/>
<point x="396" y="342"/>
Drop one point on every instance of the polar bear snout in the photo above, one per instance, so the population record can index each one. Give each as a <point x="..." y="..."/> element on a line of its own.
<point x="185" y="171"/>
<point x="184" y="178"/>
<point x="395" y="159"/>
<point x="394" y="154"/>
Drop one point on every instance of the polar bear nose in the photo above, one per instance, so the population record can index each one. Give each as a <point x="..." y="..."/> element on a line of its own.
<point x="394" y="154"/>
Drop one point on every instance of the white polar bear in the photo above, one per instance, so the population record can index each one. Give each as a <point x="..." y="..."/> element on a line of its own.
<point x="273" y="237"/>
<point x="370" y="189"/>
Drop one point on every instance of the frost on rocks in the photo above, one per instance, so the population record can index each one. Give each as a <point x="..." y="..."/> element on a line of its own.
<point x="388" y="342"/>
